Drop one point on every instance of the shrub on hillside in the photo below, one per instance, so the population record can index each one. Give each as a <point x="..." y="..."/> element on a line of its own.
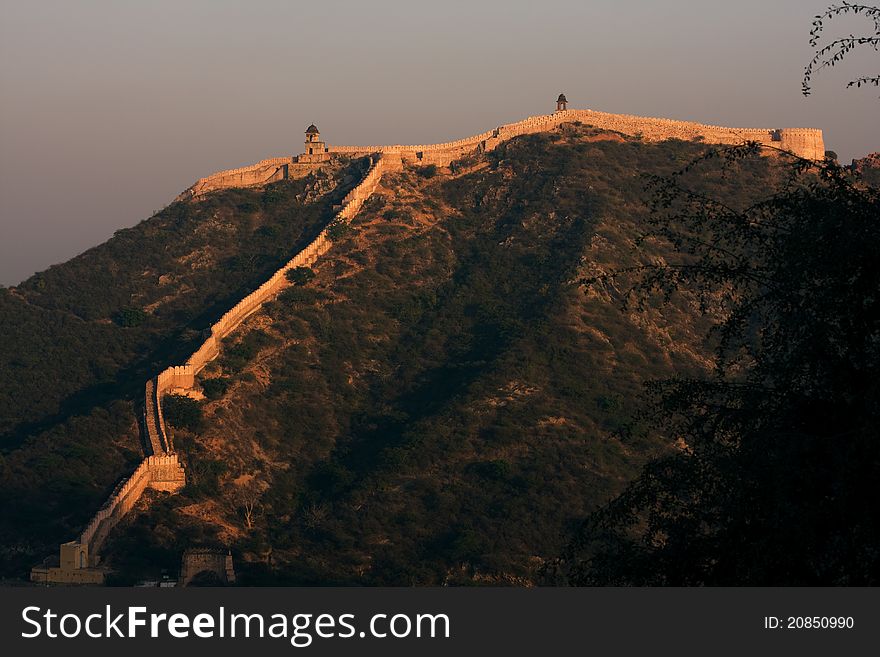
<point x="339" y="230"/>
<point x="398" y="214"/>
<point x="300" y="275"/>
<point x="239" y="354"/>
<point x="130" y="317"/>
<point x="182" y="412"/>
<point x="215" y="388"/>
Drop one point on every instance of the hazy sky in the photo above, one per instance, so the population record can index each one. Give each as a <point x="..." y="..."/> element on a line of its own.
<point x="109" y="109"/>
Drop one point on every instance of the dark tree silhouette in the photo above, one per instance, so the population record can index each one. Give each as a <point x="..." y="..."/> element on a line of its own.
<point x="774" y="478"/>
<point x="834" y="52"/>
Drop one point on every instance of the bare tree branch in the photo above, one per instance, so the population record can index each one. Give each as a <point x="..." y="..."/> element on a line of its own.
<point x="837" y="50"/>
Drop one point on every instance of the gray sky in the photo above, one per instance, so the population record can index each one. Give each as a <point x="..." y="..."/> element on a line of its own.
<point x="109" y="109"/>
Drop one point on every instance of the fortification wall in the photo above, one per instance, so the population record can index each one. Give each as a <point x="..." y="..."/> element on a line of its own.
<point x="154" y="440"/>
<point x="805" y="142"/>
<point x="161" y="469"/>
<point x="121" y="500"/>
<point x="79" y="558"/>
<point x="262" y="172"/>
<point x="197" y="561"/>
<point x="175" y="378"/>
<point x="160" y="472"/>
<point x="183" y="376"/>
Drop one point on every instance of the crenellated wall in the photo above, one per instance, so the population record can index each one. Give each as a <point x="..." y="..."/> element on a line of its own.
<point x="160" y="472"/>
<point x="199" y="560"/>
<point x="161" y="468"/>
<point x="79" y="559"/>
<point x="183" y="376"/>
<point x="261" y="173"/>
<point x="153" y="439"/>
<point x="805" y="142"/>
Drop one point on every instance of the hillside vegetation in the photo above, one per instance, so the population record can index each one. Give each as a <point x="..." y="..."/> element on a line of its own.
<point x="441" y="402"/>
<point x="81" y="338"/>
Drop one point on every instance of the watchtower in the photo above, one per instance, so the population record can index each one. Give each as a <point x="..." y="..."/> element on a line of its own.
<point x="315" y="148"/>
<point x="561" y="103"/>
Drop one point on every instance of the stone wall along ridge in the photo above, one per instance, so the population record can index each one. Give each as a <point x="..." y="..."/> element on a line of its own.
<point x="160" y="472"/>
<point x="805" y="142"/>
<point x="260" y="173"/>
<point x="161" y="468"/>
<point x="182" y="376"/>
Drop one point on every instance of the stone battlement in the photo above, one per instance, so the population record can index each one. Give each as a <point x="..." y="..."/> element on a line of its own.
<point x="198" y="561"/>
<point x="78" y="559"/>
<point x="261" y="173"/>
<point x="161" y="469"/>
<point x="804" y="142"/>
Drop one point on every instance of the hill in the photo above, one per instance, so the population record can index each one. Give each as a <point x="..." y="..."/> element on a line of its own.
<point x="438" y="401"/>
<point x="79" y="340"/>
<point x="441" y="403"/>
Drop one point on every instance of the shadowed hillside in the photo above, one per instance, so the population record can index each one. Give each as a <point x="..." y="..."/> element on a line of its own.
<point x="80" y="338"/>
<point x="438" y="401"/>
<point x="441" y="402"/>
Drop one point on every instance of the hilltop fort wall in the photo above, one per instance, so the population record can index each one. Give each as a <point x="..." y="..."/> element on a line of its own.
<point x="198" y="561"/>
<point x="261" y="173"/>
<point x="804" y="142"/>
<point x="161" y="469"/>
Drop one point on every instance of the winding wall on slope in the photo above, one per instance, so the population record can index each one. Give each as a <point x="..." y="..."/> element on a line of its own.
<point x="161" y="469"/>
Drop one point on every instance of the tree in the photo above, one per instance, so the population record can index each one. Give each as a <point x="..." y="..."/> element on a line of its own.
<point x="778" y="453"/>
<point x="183" y="412"/>
<point x="247" y="500"/>
<point x="338" y="230"/>
<point x="301" y="275"/>
<point x="130" y="317"/>
<point x="838" y="49"/>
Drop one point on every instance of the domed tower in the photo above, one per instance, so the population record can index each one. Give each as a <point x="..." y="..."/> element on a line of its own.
<point x="561" y="103"/>
<point x="315" y="148"/>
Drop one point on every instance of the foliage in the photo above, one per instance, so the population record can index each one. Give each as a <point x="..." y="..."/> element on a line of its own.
<point x="130" y="317"/>
<point x="834" y="52"/>
<point x="441" y="404"/>
<point x="339" y="230"/>
<point x="300" y="275"/>
<point x="398" y="214"/>
<point x="778" y="452"/>
<point x="428" y="171"/>
<point x="238" y="352"/>
<point x="72" y="376"/>
<point x="216" y="387"/>
<point x="182" y="412"/>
